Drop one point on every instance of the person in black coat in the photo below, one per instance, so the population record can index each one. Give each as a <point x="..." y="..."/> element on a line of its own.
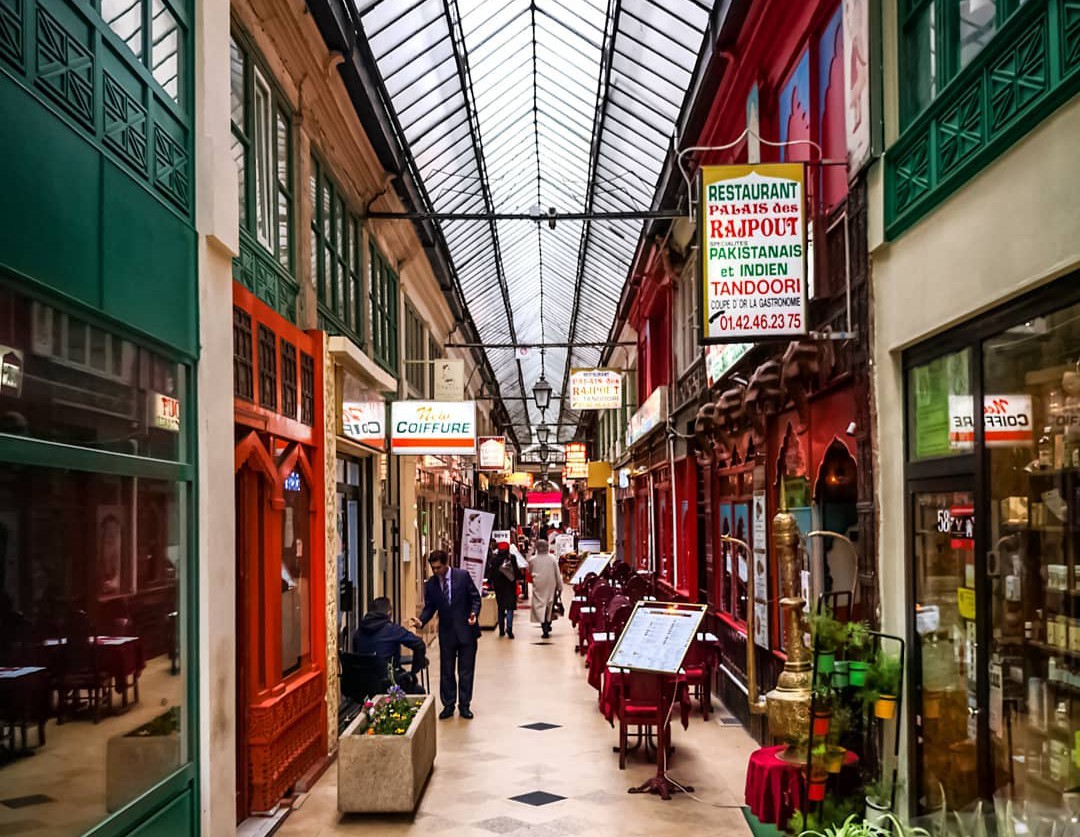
<point x="378" y="634"/>
<point x="452" y="594"/>
<point x="503" y="574"/>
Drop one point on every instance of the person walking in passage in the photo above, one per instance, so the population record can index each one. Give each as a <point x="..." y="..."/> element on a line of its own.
<point x="503" y="575"/>
<point x="452" y="594"/>
<point x="545" y="578"/>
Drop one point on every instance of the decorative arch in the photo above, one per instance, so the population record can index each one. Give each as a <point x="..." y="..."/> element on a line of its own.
<point x="837" y="472"/>
<point x="252" y="452"/>
<point x="296" y="458"/>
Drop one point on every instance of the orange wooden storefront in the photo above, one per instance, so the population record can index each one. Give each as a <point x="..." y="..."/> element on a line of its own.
<point x="280" y="594"/>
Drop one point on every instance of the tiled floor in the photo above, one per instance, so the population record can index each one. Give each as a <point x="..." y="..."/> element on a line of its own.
<point x="484" y="763"/>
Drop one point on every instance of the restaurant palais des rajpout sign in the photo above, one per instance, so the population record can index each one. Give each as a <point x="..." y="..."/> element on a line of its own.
<point x="753" y="251"/>
<point x="595" y="389"/>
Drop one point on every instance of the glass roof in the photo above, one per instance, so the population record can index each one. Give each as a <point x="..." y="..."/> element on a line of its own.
<point x="515" y="106"/>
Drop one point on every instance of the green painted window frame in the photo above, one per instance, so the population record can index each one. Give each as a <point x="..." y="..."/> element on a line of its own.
<point x="1022" y="75"/>
<point x="944" y="19"/>
<point x="383" y="294"/>
<point x="144" y="41"/>
<point x="23" y="450"/>
<point x="336" y="253"/>
<point x="273" y="167"/>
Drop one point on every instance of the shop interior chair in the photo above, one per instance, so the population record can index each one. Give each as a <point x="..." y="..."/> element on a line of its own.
<point x="698" y="667"/>
<point x="79" y="675"/>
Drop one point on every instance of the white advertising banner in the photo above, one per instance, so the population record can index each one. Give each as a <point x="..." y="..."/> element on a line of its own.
<point x="595" y="389"/>
<point x="474" y="544"/>
<point x="857" y="82"/>
<point x="753" y="251"/>
<point x="563" y="544"/>
<point x="759" y="545"/>
<point x="433" y="428"/>
<point x="720" y="358"/>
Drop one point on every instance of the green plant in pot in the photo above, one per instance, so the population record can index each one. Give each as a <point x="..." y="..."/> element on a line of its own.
<point x="884" y="685"/>
<point x="829" y="637"/>
<point x="858" y="646"/>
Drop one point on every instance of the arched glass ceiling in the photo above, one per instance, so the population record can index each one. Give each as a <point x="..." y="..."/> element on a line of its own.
<point x="506" y="105"/>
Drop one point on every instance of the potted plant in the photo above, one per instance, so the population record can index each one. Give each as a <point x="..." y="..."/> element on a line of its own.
<point x="829" y="637"/>
<point x="885" y="684"/>
<point x="878" y="802"/>
<point x="858" y="642"/>
<point x="393" y="737"/>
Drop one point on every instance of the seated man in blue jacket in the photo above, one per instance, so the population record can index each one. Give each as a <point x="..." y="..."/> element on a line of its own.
<point x="378" y="634"/>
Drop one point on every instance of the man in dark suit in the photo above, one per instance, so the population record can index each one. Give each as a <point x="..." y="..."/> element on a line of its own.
<point x="452" y="594"/>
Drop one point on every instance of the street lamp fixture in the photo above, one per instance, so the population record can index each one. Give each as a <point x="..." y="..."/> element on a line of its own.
<point x="543" y="453"/>
<point x="543" y="432"/>
<point x="542" y="394"/>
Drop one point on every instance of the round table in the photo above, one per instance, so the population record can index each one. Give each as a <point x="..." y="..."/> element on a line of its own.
<point x="774" y="787"/>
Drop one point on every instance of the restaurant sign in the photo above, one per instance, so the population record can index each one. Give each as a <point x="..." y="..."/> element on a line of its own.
<point x="364" y="422"/>
<point x="544" y="500"/>
<point x="433" y="427"/>
<point x="651" y="414"/>
<point x="523" y="479"/>
<point x="492" y="453"/>
<point x="1007" y="421"/>
<point x="577" y="461"/>
<point x="753" y="251"/>
<point x="595" y="389"/>
<point x="166" y="412"/>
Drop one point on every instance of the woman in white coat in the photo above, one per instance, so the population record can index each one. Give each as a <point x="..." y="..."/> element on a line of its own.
<point x="545" y="577"/>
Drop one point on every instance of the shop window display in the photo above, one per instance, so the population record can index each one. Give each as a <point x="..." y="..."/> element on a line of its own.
<point x="1032" y="432"/>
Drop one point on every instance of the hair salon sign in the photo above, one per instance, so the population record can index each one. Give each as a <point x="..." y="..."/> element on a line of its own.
<point x="433" y="427"/>
<point x="1007" y="421"/>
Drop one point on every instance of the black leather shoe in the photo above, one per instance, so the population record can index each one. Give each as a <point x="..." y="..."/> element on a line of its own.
<point x="448" y="712"/>
<point x="466" y="714"/>
<point x="510" y="635"/>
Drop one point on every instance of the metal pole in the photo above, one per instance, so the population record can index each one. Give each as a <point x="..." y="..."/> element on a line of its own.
<point x="550" y="219"/>
<point x="598" y="344"/>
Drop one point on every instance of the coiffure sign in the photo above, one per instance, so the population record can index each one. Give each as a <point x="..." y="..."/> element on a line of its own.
<point x="753" y="249"/>
<point x="1007" y="421"/>
<point x="435" y="428"/>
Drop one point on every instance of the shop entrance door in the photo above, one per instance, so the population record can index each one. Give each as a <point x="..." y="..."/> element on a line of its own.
<point x="947" y="659"/>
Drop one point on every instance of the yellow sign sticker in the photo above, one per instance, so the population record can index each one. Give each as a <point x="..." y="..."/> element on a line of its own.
<point x="965" y="600"/>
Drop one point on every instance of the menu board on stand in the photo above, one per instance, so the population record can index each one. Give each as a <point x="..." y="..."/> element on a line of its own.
<point x="595" y="563"/>
<point x="657" y="637"/>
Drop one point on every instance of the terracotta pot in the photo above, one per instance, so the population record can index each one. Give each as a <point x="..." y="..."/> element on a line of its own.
<point x="857" y="672"/>
<point x="885" y="707"/>
<point x="834" y="759"/>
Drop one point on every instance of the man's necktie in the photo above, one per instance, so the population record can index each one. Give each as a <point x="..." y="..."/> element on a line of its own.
<point x="445" y="588"/>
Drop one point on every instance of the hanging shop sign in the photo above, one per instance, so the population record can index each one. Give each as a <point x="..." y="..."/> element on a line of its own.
<point x="595" y="389"/>
<point x="522" y="479"/>
<point x="165" y="412"/>
<point x="720" y="358"/>
<point x="364" y="422"/>
<point x="856" y="28"/>
<point x="433" y="427"/>
<point x="577" y="461"/>
<point x="650" y="415"/>
<point x="624" y="478"/>
<point x="1007" y="421"/>
<point x="543" y="500"/>
<point x="449" y="379"/>
<point x="753" y="251"/>
<point x="492" y="453"/>
<point x="599" y="474"/>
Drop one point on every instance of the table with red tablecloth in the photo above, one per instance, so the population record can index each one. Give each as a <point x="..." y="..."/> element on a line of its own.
<point x="24" y="700"/>
<point x="120" y="657"/>
<point x="774" y="787"/>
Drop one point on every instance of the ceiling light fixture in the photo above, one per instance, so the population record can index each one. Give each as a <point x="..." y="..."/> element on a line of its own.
<point x="543" y="433"/>
<point x="542" y="394"/>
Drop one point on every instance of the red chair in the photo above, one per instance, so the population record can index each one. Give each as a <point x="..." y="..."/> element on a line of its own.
<point x="644" y="702"/>
<point x="698" y="667"/>
<point x="79" y="674"/>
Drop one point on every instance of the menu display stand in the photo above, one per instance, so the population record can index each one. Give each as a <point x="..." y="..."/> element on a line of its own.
<point x="594" y="563"/>
<point x="655" y="641"/>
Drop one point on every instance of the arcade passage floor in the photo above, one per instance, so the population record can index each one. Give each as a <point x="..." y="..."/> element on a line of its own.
<point x="483" y="763"/>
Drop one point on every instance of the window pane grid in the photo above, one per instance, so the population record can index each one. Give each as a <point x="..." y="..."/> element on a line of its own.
<point x="336" y="268"/>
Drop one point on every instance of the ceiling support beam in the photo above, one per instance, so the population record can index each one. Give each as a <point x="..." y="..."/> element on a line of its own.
<point x="626" y="215"/>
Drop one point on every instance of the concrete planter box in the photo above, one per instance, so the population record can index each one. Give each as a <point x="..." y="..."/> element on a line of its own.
<point x="386" y="773"/>
<point x="135" y="763"/>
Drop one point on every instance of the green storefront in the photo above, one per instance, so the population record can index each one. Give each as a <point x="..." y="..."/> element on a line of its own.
<point x="98" y="341"/>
